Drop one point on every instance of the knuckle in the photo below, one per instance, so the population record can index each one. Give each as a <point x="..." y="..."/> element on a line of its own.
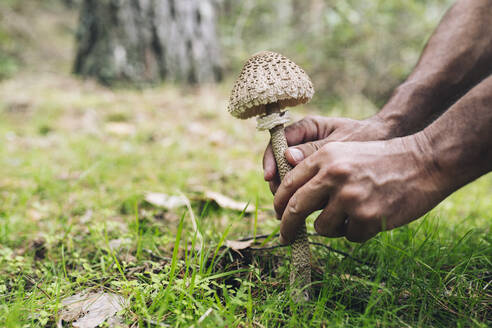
<point x="311" y="119"/>
<point x="311" y="162"/>
<point x="328" y="150"/>
<point x="316" y="185"/>
<point x="292" y="129"/>
<point x="315" y="145"/>
<point x="366" y="213"/>
<point x="350" y="195"/>
<point x="305" y="124"/>
<point x="288" y="180"/>
<point x="340" y="169"/>
<point x="293" y="207"/>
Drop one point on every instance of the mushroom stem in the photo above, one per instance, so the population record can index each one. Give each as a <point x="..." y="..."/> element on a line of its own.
<point x="300" y="272"/>
<point x="279" y="145"/>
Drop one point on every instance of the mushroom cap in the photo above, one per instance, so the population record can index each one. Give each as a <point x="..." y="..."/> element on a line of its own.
<point x="266" y="78"/>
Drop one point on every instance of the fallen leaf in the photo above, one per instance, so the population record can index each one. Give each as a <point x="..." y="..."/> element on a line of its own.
<point x="166" y="201"/>
<point x="116" y="244"/>
<point x="120" y="128"/>
<point x="198" y="129"/>
<point x="347" y="276"/>
<point x="86" y="217"/>
<point x="92" y="309"/>
<point x="238" y="245"/>
<point x="67" y="175"/>
<point x="229" y="203"/>
<point x="218" y="138"/>
<point x="21" y="105"/>
<point x="34" y="215"/>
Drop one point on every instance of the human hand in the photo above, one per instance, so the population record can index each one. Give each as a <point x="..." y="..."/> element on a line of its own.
<point x="362" y="188"/>
<point x="312" y="132"/>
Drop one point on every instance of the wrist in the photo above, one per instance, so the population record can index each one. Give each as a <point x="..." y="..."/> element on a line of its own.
<point x="387" y="127"/>
<point x="440" y="157"/>
<point x="434" y="179"/>
<point x="412" y="106"/>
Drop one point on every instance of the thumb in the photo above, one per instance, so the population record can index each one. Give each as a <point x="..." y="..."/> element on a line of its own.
<point x="297" y="154"/>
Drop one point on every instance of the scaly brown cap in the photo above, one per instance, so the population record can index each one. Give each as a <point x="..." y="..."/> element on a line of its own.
<point x="268" y="77"/>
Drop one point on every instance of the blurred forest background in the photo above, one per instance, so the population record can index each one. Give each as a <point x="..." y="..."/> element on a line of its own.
<point x="355" y="51"/>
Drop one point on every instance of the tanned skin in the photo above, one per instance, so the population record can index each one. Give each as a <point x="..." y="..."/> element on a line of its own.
<point x="432" y="137"/>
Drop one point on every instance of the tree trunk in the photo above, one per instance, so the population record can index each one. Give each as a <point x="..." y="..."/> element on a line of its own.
<point x="147" y="41"/>
<point x="71" y="3"/>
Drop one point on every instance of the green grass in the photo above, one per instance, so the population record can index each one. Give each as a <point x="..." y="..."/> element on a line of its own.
<point x="70" y="184"/>
<point x="76" y="161"/>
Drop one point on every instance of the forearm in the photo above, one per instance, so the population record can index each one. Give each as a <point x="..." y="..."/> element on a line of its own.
<point x="456" y="58"/>
<point x="460" y="141"/>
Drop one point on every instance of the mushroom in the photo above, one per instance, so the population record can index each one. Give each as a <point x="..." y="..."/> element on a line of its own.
<point x="268" y="83"/>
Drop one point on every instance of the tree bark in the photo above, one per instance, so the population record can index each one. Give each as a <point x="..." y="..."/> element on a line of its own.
<point x="71" y="3"/>
<point x="148" y="41"/>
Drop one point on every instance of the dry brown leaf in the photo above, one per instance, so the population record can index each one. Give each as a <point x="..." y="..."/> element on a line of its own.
<point x="347" y="276"/>
<point x="166" y="201"/>
<point x="229" y="203"/>
<point x="218" y="138"/>
<point x="238" y="245"/>
<point x="89" y="310"/>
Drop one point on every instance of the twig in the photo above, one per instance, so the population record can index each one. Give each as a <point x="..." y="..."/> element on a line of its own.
<point x="334" y="250"/>
<point x="276" y="235"/>
<point x="157" y="256"/>
<point x="203" y="317"/>
<point x="267" y="248"/>
<point x="445" y="306"/>
<point x="37" y="286"/>
<point x="257" y="237"/>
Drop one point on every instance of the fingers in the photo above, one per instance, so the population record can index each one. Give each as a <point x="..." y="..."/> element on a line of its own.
<point x="310" y="128"/>
<point x="294" y="156"/>
<point x="293" y="180"/>
<point x="274" y="184"/>
<point x="297" y="154"/>
<point x="362" y="230"/>
<point x="269" y="164"/>
<point x="307" y="129"/>
<point x="331" y="221"/>
<point x="309" y="198"/>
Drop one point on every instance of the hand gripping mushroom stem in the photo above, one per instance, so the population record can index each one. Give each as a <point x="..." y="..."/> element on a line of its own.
<point x="268" y="83"/>
<point x="300" y="272"/>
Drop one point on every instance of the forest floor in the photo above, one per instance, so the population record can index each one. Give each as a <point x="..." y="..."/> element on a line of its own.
<point x="111" y="192"/>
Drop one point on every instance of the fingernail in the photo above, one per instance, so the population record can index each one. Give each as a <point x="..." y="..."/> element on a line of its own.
<point x="296" y="154"/>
